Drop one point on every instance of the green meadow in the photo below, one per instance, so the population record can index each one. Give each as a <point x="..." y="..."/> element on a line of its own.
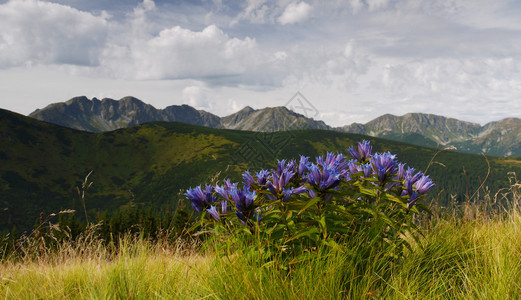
<point x="462" y="256"/>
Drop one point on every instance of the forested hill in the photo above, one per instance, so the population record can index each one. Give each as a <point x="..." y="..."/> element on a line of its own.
<point x="152" y="164"/>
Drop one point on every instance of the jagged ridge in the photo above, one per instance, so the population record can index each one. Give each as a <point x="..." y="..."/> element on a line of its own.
<point x="501" y="138"/>
<point x="108" y="114"/>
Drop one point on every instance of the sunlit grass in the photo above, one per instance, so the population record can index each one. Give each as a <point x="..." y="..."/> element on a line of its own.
<point x="457" y="258"/>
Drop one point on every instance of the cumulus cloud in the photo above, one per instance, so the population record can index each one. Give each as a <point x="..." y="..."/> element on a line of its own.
<point x="41" y="32"/>
<point x="295" y="12"/>
<point x="177" y="53"/>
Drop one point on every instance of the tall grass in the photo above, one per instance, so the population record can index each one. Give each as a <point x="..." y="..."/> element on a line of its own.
<point x="472" y="255"/>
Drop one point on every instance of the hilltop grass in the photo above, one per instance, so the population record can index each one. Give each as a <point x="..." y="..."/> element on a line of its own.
<point x="457" y="258"/>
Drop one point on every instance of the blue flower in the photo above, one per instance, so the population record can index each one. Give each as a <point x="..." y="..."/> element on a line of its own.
<point x="410" y="179"/>
<point x="334" y="161"/>
<point x="244" y="203"/>
<point x="400" y="173"/>
<point x="324" y="179"/>
<point x="282" y="165"/>
<point x="227" y="186"/>
<point x="352" y="166"/>
<point x="384" y="166"/>
<point x="410" y="176"/>
<point x="279" y="181"/>
<point x="412" y="200"/>
<point x="303" y="165"/>
<point x="248" y="179"/>
<point x="224" y="207"/>
<point x="424" y="184"/>
<point x="367" y="169"/>
<point x="214" y="213"/>
<point x="201" y="200"/>
<point x="262" y="177"/>
<point x="364" y="151"/>
<point x="291" y="165"/>
<point x="417" y="185"/>
<point x="288" y="192"/>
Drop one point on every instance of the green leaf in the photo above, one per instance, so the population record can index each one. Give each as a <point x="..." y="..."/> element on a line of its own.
<point x="334" y="245"/>
<point x="309" y="204"/>
<point x="308" y="232"/>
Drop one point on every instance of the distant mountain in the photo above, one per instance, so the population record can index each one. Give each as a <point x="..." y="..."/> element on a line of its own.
<point x="270" y="119"/>
<point x="502" y="138"/>
<point x="439" y="129"/>
<point x="105" y="115"/>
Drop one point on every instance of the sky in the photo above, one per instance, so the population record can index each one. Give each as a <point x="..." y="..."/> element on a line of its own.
<point x="351" y="60"/>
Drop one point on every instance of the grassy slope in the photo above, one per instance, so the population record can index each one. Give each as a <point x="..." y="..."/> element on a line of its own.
<point x="41" y="164"/>
<point x="456" y="259"/>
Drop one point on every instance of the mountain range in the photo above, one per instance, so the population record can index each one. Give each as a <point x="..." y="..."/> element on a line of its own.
<point x="500" y="138"/>
<point x="108" y="114"/>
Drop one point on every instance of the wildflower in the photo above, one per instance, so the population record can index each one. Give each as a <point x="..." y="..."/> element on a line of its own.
<point x="224" y="207"/>
<point x="384" y="165"/>
<point x="262" y="177"/>
<point x="291" y="165"/>
<point x="334" y="161"/>
<point x="367" y="169"/>
<point x="324" y="179"/>
<point x="288" y="192"/>
<point x="214" y="213"/>
<point x="364" y="151"/>
<point x="282" y="165"/>
<point x="400" y="173"/>
<point x="227" y="186"/>
<point x="424" y="184"/>
<point x="279" y="181"/>
<point x="201" y="200"/>
<point x="410" y="176"/>
<point x="248" y="179"/>
<point x="352" y="166"/>
<point x="244" y="202"/>
<point x="417" y="188"/>
<point x="412" y="200"/>
<point x="303" y="165"/>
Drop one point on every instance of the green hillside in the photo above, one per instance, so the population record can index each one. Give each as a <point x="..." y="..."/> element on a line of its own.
<point x="41" y="164"/>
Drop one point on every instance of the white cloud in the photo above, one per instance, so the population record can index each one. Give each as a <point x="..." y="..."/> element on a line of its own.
<point x="295" y="12"/>
<point x="46" y="33"/>
<point x="177" y="53"/>
<point x="197" y="97"/>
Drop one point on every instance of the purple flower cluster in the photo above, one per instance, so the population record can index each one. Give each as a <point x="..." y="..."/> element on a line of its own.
<point x="303" y="179"/>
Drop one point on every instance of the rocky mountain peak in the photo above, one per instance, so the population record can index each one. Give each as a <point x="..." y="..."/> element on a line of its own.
<point x="109" y="114"/>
